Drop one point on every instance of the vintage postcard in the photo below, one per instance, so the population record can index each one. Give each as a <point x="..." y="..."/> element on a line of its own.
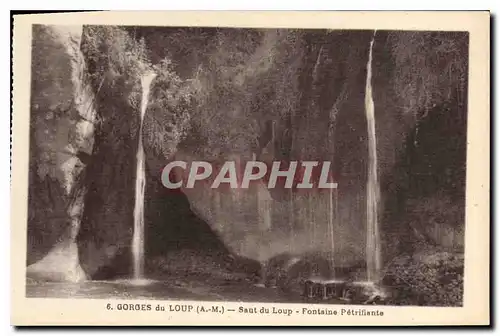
<point x="251" y="168"/>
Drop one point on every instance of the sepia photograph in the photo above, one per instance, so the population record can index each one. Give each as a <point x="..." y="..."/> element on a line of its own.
<point x="319" y="170"/>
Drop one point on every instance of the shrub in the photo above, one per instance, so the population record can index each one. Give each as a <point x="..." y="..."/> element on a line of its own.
<point x="115" y="61"/>
<point x="169" y="109"/>
<point x="426" y="279"/>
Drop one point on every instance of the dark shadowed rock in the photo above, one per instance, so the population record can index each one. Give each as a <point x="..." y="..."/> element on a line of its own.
<point x="107" y="224"/>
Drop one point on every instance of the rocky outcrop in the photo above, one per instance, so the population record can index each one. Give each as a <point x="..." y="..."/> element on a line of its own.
<point x="420" y="93"/>
<point x="114" y="69"/>
<point x="62" y="136"/>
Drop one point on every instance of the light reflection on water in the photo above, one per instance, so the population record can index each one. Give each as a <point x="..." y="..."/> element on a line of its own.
<point x="171" y="289"/>
<point x="156" y="289"/>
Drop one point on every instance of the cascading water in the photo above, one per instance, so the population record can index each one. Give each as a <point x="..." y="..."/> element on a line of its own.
<point x="140" y="184"/>
<point x="373" y="253"/>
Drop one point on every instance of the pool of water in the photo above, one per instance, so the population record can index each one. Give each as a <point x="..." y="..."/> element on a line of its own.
<point x="171" y="289"/>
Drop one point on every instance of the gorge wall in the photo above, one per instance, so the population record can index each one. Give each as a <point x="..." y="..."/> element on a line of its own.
<point x="62" y="128"/>
<point x="235" y="94"/>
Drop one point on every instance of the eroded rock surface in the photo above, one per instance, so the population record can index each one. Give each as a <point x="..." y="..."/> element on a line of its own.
<point x="62" y="133"/>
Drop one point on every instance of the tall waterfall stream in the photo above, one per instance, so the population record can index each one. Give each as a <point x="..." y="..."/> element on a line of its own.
<point x="140" y="184"/>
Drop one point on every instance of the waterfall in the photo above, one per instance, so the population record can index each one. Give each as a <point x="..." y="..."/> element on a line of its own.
<point x="140" y="184"/>
<point x="373" y="258"/>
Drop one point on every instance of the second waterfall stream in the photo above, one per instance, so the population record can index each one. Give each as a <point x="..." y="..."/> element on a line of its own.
<point x="373" y="253"/>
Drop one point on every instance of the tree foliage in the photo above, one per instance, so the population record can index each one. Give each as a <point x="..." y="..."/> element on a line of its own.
<point x="115" y="61"/>
<point x="169" y="110"/>
<point x="430" y="279"/>
<point x="223" y="121"/>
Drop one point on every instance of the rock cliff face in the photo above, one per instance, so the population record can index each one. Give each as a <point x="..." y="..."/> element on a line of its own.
<point x="62" y="137"/>
<point x="299" y="95"/>
<point x="235" y="94"/>
<point x="107" y="224"/>
<point x="421" y="104"/>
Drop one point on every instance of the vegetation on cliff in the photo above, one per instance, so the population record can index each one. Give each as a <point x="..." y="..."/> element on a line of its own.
<point x="168" y="118"/>
<point x="115" y="60"/>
